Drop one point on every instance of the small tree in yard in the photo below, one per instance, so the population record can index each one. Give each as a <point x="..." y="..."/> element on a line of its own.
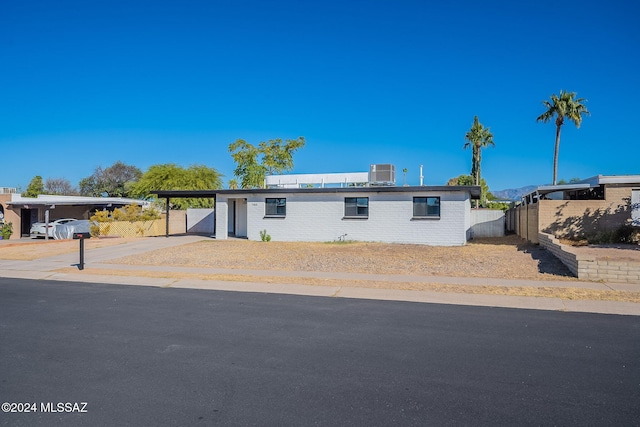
<point x="170" y="176"/>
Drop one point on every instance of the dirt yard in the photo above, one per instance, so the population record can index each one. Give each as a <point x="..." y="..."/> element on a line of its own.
<point x="508" y="257"/>
<point x="26" y="250"/>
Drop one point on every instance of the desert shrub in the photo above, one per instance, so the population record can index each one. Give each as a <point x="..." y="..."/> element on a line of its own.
<point x="130" y="213"/>
<point x="264" y="236"/>
<point x="100" y="217"/>
<point x="623" y="234"/>
<point x="626" y="234"/>
<point x="133" y="213"/>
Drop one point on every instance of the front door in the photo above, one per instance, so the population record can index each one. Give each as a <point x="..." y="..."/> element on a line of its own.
<point x="231" y="212"/>
<point x="27" y="218"/>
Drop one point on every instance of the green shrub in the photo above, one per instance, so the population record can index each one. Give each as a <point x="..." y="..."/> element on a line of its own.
<point x="264" y="236"/>
<point x="6" y="230"/>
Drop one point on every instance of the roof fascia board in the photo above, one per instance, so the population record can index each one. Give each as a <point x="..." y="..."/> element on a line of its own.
<point x="71" y="202"/>
<point x="619" y="179"/>
<point x="474" y="191"/>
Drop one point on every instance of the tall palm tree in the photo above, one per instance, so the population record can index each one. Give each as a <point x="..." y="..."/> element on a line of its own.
<point x="564" y="106"/>
<point x="478" y="137"/>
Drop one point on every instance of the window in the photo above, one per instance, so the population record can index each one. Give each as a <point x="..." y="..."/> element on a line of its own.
<point x="275" y="207"/>
<point x="426" y="207"/>
<point x="356" y="207"/>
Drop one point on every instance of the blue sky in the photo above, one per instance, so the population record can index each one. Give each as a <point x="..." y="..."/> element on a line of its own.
<point x="88" y="83"/>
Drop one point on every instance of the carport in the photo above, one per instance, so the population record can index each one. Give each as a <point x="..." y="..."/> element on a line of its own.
<point x="30" y="210"/>
<point x="183" y="194"/>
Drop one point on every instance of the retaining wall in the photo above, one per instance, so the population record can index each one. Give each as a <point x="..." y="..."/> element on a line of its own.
<point x="589" y="267"/>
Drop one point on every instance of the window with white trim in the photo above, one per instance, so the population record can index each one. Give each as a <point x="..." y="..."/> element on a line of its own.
<point x="356" y="207"/>
<point x="426" y="207"/>
<point x="275" y="207"/>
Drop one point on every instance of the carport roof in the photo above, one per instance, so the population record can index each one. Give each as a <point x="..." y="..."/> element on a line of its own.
<point x="584" y="184"/>
<point x="48" y="200"/>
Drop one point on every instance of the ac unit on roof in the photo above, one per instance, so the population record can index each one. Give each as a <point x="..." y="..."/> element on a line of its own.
<point x="384" y="174"/>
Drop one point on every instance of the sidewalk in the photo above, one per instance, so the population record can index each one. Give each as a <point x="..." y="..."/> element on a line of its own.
<point x="97" y="259"/>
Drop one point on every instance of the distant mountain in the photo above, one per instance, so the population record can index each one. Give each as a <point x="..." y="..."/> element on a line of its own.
<point x="514" y="193"/>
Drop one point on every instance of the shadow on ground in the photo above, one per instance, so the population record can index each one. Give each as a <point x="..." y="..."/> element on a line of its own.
<point x="547" y="262"/>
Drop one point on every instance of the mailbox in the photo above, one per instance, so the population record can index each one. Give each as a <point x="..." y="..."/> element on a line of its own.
<point x="81" y="237"/>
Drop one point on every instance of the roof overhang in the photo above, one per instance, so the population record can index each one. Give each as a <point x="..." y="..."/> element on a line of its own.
<point x="597" y="180"/>
<point x="473" y="190"/>
<point x="547" y="189"/>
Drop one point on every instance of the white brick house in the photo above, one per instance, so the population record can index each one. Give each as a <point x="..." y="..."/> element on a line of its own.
<point x="431" y="215"/>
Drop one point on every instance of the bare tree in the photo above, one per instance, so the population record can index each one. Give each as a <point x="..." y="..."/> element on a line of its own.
<point x="59" y="186"/>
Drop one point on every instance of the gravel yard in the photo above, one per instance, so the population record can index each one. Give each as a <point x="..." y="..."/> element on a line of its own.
<point x="508" y="257"/>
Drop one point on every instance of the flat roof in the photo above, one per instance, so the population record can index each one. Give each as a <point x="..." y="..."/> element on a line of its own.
<point x="613" y="179"/>
<point x="474" y="191"/>
<point x="50" y="200"/>
<point x="592" y="182"/>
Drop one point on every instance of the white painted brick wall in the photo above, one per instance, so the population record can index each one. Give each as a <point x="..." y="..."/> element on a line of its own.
<point x="320" y="217"/>
<point x="222" y="218"/>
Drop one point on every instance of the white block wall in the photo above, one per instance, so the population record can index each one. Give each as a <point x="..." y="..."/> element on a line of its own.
<point x="200" y="221"/>
<point x="222" y="218"/>
<point x="320" y="217"/>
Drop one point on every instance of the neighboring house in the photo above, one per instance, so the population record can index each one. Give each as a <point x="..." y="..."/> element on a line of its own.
<point x="356" y="179"/>
<point x="594" y="205"/>
<point x="431" y="215"/>
<point x="24" y="211"/>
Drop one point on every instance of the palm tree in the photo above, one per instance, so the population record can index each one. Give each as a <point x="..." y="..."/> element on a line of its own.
<point x="565" y="105"/>
<point x="478" y="137"/>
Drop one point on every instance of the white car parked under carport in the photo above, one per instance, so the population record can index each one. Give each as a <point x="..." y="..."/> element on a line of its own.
<point x="38" y="228"/>
<point x="66" y="231"/>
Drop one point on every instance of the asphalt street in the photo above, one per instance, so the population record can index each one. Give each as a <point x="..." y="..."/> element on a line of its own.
<point x="135" y="355"/>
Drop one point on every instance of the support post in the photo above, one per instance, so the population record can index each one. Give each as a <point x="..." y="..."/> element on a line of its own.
<point x="81" y="237"/>
<point x="167" y="218"/>
<point x="46" y="224"/>
<point x="81" y="265"/>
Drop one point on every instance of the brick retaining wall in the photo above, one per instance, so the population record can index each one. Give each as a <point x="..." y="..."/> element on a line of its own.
<point x="589" y="267"/>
